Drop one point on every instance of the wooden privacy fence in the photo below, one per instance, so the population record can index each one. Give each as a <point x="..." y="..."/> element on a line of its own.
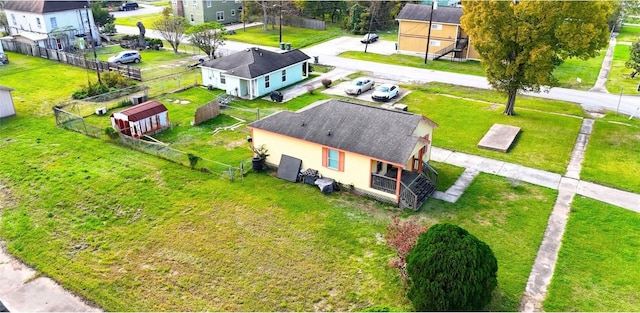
<point x="70" y="58"/>
<point x="207" y="112"/>
<point x="300" y="22"/>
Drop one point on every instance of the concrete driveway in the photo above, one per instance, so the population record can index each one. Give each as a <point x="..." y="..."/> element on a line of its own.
<point x="366" y="96"/>
<point x="343" y="44"/>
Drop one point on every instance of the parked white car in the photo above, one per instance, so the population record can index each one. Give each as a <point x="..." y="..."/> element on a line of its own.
<point x="359" y="85"/>
<point x="385" y="92"/>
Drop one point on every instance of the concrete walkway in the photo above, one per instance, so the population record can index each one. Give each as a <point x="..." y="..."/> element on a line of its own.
<point x="22" y="290"/>
<point x="600" y="85"/>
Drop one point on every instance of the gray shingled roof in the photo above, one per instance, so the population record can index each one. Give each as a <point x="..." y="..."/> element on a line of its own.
<point x="383" y="134"/>
<point x="422" y="12"/>
<point x="45" y="6"/>
<point x="255" y="62"/>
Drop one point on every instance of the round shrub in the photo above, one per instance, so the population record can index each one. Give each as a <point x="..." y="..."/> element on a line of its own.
<point x="451" y="270"/>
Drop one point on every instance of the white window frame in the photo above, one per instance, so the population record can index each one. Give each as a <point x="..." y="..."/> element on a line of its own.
<point x="220" y="16"/>
<point x="284" y="75"/>
<point x="209" y="3"/>
<point x="434" y="43"/>
<point x="195" y="3"/>
<point x="54" y="22"/>
<point x="38" y="22"/>
<point x="267" y="83"/>
<point x="223" y="79"/>
<point x="233" y="12"/>
<point x="436" y="26"/>
<point x="192" y="17"/>
<point x="13" y="19"/>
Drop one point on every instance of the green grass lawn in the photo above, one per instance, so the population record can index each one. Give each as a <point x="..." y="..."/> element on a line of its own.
<point x="469" y="67"/>
<point x="587" y="70"/>
<point x="146" y="19"/>
<point x="447" y="174"/>
<point x="613" y="156"/>
<point x="597" y="268"/>
<point x="132" y="232"/>
<point x="629" y="33"/>
<point x="546" y="140"/>
<point x="619" y="76"/>
<point x="297" y="37"/>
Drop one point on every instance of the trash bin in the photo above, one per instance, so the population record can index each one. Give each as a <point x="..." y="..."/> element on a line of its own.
<point x="315" y="59"/>
<point x="282" y="46"/>
<point x="288" y="45"/>
<point x="276" y="96"/>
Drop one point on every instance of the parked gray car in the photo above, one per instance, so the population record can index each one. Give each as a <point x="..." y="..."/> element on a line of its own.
<point x="126" y="57"/>
<point x="359" y="85"/>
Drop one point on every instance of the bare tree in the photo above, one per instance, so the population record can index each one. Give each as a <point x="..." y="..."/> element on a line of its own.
<point x="172" y="28"/>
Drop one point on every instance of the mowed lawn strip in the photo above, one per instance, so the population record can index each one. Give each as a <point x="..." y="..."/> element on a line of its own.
<point x="612" y="156"/>
<point x="597" y="267"/>
<point x="545" y="142"/>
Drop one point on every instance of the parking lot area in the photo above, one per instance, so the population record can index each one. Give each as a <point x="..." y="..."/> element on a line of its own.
<point x="366" y="96"/>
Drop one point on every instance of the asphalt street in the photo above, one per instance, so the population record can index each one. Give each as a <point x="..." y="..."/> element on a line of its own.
<point x="328" y="54"/>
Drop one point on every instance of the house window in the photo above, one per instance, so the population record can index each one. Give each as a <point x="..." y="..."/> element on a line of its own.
<point x="38" y="22"/>
<point x="284" y="75"/>
<point x="333" y="159"/>
<point x="223" y="79"/>
<point x="434" y="43"/>
<point x="436" y="26"/>
<point x="54" y="23"/>
<point x="13" y="19"/>
<point x="191" y="15"/>
<point x="220" y="16"/>
<point x="233" y="12"/>
<point x="266" y="82"/>
<point x="195" y="3"/>
<point x="209" y="4"/>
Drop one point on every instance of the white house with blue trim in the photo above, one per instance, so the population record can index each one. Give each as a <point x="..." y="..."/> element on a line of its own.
<point x="255" y="72"/>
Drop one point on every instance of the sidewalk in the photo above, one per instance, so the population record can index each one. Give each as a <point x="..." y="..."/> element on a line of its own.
<point x="21" y="290"/>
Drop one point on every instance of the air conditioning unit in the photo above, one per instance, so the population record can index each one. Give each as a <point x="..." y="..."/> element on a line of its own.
<point x="138" y="99"/>
<point x="101" y="111"/>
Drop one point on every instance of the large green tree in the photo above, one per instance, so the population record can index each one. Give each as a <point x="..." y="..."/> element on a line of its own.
<point x="451" y="270"/>
<point x="520" y="43"/>
<point x="207" y="37"/>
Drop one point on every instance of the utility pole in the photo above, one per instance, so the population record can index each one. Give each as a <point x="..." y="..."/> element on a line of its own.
<point x="93" y="45"/>
<point x="426" y="52"/>
<point x="366" y="44"/>
<point x="280" y="21"/>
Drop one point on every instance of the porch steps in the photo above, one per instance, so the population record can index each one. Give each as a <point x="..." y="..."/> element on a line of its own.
<point x="423" y="188"/>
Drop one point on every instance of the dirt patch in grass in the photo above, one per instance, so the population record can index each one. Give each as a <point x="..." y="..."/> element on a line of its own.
<point x="236" y="143"/>
<point x="6" y="198"/>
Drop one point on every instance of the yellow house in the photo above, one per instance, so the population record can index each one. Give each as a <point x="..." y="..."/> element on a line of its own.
<point x="440" y="28"/>
<point x="383" y="153"/>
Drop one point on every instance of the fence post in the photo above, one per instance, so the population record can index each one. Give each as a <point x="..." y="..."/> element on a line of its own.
<point x="231" y="173"/>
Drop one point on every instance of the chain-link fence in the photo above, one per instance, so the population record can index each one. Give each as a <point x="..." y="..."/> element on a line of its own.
<point x="162" y="150"/>
<point x="75" y="123"/>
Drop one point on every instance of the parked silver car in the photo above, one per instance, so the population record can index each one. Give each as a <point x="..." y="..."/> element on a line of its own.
<point x="126" y="57"/>
<point x="385" y="92"/>
<point x="359" y="85"/>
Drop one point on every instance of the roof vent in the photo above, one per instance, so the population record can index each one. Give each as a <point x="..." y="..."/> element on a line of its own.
<point x="256" y="48"/>
<point x="260" y="53"/>
<point x="329" y="132"/>
<point x="248" y="49"/>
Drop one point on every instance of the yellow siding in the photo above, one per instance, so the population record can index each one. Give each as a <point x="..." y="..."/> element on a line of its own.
<point x="413" y="36"/>
<point x="357" y="168"/>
